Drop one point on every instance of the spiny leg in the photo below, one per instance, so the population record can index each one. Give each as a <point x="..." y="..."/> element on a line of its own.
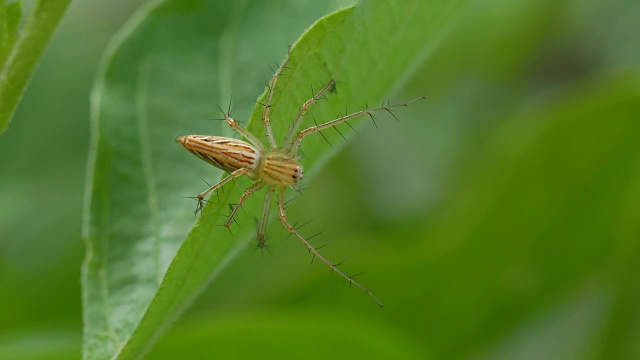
<point x="244" y="132"/>
<point x="288" y="140"/>
<point x="265" y="111"/>
<point x="264" y="219"/>
<point x="314" y="129"/>
<point x="219" y="184"/>
<point x="314" y="251"/>
<point x="243" y="198"/>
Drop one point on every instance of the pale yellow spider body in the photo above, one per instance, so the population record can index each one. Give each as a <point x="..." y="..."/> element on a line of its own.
<point x="275" y="167"/>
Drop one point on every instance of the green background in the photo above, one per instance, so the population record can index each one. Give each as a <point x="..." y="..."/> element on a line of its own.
<point x="498" y="219"/>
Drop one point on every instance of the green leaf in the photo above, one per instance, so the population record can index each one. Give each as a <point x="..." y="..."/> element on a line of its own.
<point x="13" y="16"/>
<point x="36" y="343"/>
<point x="18" y="58"/>
<point x="540" y="228"/>
<point x="248" y="335"/>
<point x="9" y="19"/>
<point x="162" y="78"/>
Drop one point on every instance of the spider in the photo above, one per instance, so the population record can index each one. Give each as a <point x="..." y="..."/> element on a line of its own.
<point x="274" y="167"/>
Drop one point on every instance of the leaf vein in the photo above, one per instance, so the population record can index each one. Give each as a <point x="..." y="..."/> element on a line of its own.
<point x="142" y="122"/>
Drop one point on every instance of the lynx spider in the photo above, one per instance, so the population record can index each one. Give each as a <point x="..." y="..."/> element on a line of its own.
<point x="274" y="167"/>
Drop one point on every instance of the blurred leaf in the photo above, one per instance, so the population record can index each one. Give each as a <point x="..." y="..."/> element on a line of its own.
<point x="291" y="334"/>
<point x="9" y="19"/>
<point x="539" y="217"/>
<point x="36" y="344"/>
<point x="168" y="66"/>
<point x="14" y="13"/>
<point x="19" y="58"/>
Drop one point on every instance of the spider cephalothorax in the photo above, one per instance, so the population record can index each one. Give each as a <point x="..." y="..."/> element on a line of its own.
<point x="275" y="167"/>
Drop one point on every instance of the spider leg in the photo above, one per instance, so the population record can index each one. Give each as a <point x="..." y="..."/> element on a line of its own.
<point x="295" y="145"/>
<point x="232" y="176"/>
<point x="265" y="110"/>
<point x="314" y="251"/>
<point x="288" y="140"/>
<point x="243" y="198"/>
<point x="264" y="219"/>
<point x="244" y="132"/>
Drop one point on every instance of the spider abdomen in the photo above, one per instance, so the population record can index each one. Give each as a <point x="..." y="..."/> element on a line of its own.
<point x="279" y="169"/>
<point x="224" y="153"/>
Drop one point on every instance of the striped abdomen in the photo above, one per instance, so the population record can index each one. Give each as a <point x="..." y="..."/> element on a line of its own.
<point x="224" y="153"/>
